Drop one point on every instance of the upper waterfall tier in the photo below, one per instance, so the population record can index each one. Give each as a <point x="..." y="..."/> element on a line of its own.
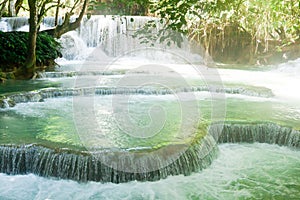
<point x="113" y="34"/>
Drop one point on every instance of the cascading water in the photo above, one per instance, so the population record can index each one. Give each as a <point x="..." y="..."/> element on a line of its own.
<point x="258" y="110"/>
<point x="263" y="133"/>
<point x="84" y="167"/>
<point x="109" y="33"/>
<point x="241" y="171"/>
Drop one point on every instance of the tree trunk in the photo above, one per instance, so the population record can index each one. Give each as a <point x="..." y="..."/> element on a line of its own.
<point x="31" y="50"/>
<point x="56" y="13"/>
<point x="18" y="6"/>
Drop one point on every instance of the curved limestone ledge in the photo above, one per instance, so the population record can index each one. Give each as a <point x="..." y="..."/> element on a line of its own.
<point x="84" y="166"/>
<point x="39" y="95"/>
<point x="87" y="166"/>
<point x="270" y="133"/>
<point x="64" y="74"/>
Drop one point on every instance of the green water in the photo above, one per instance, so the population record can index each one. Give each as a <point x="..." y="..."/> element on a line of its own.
<point x="15" y="86"/>
<point x="51" y="123"/>
<point x="241" y="171"/>
<point x="39" y="123"/>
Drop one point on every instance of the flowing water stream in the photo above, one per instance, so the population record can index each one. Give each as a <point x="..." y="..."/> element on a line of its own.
<point x="117" y="111"/>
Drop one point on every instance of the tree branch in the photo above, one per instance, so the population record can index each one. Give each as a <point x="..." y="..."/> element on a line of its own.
<point x="66" y="26"/>
<point x="3" y="4"/>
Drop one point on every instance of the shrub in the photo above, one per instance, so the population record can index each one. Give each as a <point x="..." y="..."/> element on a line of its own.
<point x="13" y="49"/>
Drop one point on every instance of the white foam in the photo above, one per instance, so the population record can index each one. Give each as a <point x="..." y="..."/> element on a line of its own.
<point x="284" y="86"/>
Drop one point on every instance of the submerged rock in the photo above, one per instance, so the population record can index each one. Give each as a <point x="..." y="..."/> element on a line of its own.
<point x="7" y="102"/>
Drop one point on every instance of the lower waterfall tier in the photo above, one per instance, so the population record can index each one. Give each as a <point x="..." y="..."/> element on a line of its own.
<point x="108" y="166"/>
<point x="119" y="166"/>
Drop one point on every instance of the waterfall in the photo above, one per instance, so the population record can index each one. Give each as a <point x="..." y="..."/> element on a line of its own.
<point x="84" y="166"/>
<point x="90" y="166"/>
<point x="64" y="74"/>
<point x="113" y="34"/>
<point x="74" y="48"/>
<point x="13" y="23"/>
<point x="42" y="94"/>
<point x="264" y="133"/>
<point x="8" y="24"/>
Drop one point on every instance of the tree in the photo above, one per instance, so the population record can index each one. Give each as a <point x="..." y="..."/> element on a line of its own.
<point x="67" y="26"/>
<point x="18" y="5"/>
<point x="11" y="6"/>
<point x="3" y="6"/>
<point x="33" y="30"/>
<point x="232" y="28"/>
<point x="120" y="7"/>
<point x="38" y="10"/>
